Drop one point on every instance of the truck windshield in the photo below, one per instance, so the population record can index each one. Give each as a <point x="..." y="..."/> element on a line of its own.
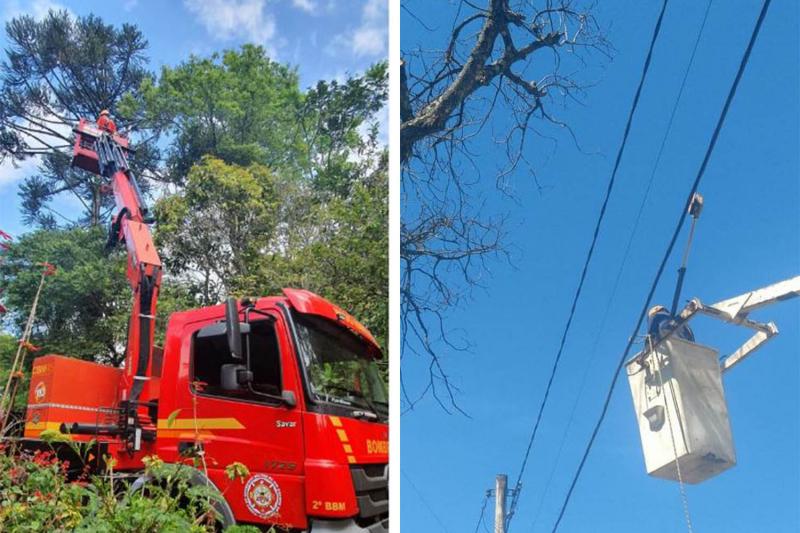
<point x="339" y="366"/>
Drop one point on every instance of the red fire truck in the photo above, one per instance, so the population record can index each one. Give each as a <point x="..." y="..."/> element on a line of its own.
<point x="287" y="385"/>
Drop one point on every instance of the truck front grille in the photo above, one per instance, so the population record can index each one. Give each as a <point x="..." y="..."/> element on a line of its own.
<point x="371" y="483"/>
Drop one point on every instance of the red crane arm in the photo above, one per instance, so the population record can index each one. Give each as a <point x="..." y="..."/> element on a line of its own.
<point x="105" y="154"/>
<point x="144" y="274"/>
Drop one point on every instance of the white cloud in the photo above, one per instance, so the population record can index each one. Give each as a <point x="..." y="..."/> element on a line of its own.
<point x="130" y="5"/>
<point x="231" y="19"/>
<point x="11" y="172"/>
<point x="309" y="6"/>
<point x="369" y="39"/>
<point x="38" y="9"/>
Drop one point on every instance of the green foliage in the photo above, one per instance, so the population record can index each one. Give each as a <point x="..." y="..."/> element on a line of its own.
<point x="83" y="308"/>
<point x="228" y="210"/>
<point x="36" y="495"/>
<point x="337" y="248"/>
<point x="347" y="261"/>
<point x="331" y="118"/>
<point x="8" y="350"/>
<point x="57" y="70"/>
<point x="237" y="470"/>
<point x="238" y="106"/>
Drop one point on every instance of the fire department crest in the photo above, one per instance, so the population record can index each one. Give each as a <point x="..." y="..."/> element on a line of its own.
<point x="40" y="391"/>
<point x="262" y="496"/>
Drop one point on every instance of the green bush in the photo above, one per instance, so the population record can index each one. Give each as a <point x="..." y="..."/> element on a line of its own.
<point x="36" y="495"/>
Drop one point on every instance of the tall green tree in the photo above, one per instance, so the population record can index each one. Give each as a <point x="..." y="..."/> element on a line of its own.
<point x="338" y="127"/>
<point x="238" y="106"/>
<point x="213" y="231"/>
<point x="57" y="70"/>
<point x="84" y="307"/>
<point x="348" y="259"/>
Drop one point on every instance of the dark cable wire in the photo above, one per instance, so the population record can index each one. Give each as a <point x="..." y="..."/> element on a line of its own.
<point x="423" y="500"/>
<point x="681" y="220"/>
<point x="483" y="510"/>
<point x="625" y="255"/>
<point x="601" y="216"/>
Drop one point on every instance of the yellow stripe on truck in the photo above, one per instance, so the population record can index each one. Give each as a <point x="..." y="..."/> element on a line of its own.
<point x="342" y="434"/>
<point x="200" y="423"/>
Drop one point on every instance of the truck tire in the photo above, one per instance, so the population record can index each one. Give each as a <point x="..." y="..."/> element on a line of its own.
<point x="197" y="479"/>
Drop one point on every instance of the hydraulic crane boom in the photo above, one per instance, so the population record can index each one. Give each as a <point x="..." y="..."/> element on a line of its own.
<point x="105" y="154"/>
<point x="736" y="310"/>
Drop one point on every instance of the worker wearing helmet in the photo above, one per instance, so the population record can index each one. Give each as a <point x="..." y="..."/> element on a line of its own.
<point x="105" y="123"/>
<point x="661" y="322"/>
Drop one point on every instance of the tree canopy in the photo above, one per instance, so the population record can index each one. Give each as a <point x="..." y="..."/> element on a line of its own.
<point x="57" y="70"/>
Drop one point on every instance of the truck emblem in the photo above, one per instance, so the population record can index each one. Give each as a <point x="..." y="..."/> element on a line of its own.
<point x="40" y="391"/>
<point x="262" y="496"/>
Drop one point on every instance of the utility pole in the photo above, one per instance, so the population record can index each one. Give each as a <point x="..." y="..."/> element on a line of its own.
<point x="500" y="503"/>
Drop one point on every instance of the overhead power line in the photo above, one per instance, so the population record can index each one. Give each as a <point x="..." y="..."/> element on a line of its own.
<point x="590" y="253"/>
<point x="424" y="500"/>
<point x="618" y="278"/>
<point x="483" y="510"/>
<point x="667" y="253"/>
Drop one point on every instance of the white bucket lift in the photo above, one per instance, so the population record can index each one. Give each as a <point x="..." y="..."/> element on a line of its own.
<point x="681" y="409"/>
<point x="678" y="394"/>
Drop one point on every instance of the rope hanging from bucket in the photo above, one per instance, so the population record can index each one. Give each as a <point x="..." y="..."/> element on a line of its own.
<point x="681" y="485"/>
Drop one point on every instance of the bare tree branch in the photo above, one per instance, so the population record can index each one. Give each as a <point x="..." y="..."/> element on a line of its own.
<point x="513" y="60"/>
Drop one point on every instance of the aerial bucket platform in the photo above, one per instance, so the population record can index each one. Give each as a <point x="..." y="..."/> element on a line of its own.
<point x="681" y="411"/>
<point x="84" y="153"/>
<point x="677" y="389"/>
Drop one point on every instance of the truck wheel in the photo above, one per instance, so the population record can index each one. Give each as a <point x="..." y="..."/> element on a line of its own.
<point x="198" y="479"/>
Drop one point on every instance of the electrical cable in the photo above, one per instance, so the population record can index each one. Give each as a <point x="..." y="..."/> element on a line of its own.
<point x="483" y="510"/>
<point x="424" y="500"/>
<point x="590" y="253"/>
<point x="668" y="252"/>
<point x="625" y="256"/>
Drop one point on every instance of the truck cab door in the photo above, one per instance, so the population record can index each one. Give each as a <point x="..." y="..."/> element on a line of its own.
<point x="250" y="422"/>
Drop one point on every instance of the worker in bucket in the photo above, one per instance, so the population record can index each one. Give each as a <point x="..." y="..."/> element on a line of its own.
<point x="105" y="123"/>
<point x="661" y="323"/>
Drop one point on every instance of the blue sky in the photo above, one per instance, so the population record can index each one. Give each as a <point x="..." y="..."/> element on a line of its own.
<point x="747" y="237"/>
<point x="324" y="39"/>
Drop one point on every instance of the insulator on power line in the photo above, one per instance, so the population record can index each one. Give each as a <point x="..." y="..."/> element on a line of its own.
<point x="696" y="205"/>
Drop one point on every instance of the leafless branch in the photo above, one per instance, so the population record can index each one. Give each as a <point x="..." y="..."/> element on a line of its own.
<point x="515" y="61"/>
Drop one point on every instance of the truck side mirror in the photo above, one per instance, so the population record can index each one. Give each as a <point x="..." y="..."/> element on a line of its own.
<point x="233" y="329"/>
<point x="288" y="398"/>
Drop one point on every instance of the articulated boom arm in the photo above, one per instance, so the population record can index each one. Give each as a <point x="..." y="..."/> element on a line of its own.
<point x="736" y="310"/>
<point x="144" y="275"/>
<point x="738" y="307"/>
<point x="104" y="154"/>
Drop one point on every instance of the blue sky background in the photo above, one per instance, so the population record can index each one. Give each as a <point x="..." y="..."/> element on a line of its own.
<point x="747" y="237"/>
<point x="324" y="39"/>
